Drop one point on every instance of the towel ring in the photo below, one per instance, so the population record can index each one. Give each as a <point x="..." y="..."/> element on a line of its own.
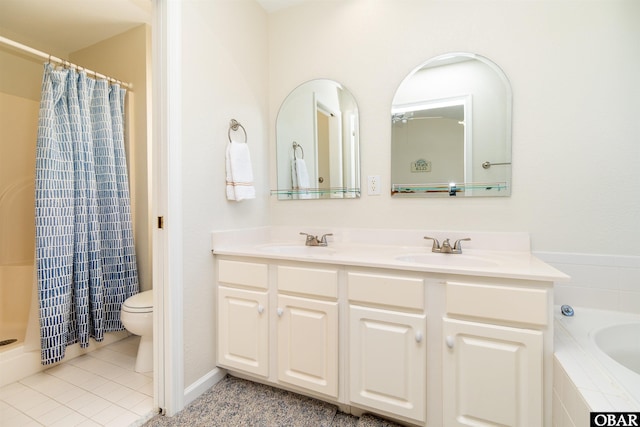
<point x="295" y="146"/>
<point x="234" y="125"/>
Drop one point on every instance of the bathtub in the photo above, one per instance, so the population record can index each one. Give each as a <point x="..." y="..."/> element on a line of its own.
<point x="621" y="342"/>
<point x="598" y="352"/>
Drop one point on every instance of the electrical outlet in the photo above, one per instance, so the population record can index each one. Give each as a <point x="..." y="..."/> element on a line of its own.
<point x="373" y="185"/>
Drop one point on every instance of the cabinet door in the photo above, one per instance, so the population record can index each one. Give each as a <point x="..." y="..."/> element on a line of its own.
<point x="492" y="375"/>
<point x="243" y="330"/>
<point x="388" y="361"/>
<point x="308" y="344"/>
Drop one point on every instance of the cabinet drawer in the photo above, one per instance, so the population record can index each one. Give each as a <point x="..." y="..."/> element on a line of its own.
<point x="402" y="292"/>
<point x="497" y="302"/>
<point x="242" y="273"/>
<point x="308" y="281"/>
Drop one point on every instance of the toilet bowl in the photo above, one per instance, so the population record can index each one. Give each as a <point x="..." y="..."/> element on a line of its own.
<point x="137" y="317"/>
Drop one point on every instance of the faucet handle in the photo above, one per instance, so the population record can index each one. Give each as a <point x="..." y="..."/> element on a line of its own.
<point x="436" y="244"/>
<point x="310" y="237"/>
<point x="457" y="246"/>
<point x="323" y="239"/>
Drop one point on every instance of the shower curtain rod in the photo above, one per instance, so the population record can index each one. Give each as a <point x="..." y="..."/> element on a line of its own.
<point x="34" y="52"/>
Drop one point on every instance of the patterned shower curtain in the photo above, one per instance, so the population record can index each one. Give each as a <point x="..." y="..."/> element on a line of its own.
<point x="84" y="240"/>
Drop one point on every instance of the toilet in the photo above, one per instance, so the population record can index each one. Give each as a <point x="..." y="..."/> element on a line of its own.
<point x="137" y="317"/>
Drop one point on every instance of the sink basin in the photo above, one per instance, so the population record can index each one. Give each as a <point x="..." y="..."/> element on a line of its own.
<point x="457" y="260"/>
<point x="297" y="249"/>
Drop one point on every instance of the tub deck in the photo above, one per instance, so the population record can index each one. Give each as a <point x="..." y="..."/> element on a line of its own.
<point x="584" y="378"/>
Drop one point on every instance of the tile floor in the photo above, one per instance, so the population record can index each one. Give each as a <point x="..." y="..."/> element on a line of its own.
<point x="97" y="389"/>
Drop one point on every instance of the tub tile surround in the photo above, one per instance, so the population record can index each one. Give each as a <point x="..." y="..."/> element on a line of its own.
<point x="606" y="282"/>
<point x="582" y="381"/>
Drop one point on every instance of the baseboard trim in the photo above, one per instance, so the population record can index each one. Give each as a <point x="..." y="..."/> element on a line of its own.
<point x="204" y="383"/>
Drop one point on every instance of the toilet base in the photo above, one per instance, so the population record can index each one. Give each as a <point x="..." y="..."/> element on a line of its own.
<point x="144" y="360"/>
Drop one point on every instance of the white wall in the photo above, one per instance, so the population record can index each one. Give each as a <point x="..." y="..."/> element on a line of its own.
<point x="573" y="67"/>
<point x="224" y="77"/>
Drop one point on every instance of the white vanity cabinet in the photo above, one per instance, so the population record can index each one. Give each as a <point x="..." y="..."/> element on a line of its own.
<point x="308" y="328"/>
<point x="425" y="339"/>
<point x="280" y="322"/>
<point x="243" y="320"/>
<point x="494" y="354"/>
<point x="387" y="344"/>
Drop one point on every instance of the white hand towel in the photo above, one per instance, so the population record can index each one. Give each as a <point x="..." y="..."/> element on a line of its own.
<point x="294" y="175"/>
<point x="300" y="177"/>
<point x="239" y="172"/>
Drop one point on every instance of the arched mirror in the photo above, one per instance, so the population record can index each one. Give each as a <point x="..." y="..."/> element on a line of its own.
<point x="317" y="143"/>
<point x="451" y="129"/>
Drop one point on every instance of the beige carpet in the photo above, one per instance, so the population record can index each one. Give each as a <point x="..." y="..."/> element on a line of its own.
<point x="237" y="402"/>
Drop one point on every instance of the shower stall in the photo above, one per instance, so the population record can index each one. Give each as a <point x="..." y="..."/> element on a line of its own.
<point x="18" y="121"/>
<point x="21" y="78"/>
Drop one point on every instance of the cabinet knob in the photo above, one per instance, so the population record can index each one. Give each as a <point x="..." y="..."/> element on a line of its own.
<point x="418" y="336"/>
<point x="450" y="341"/>
<point x="260" y="308"/>
<point x="280" y="312"/>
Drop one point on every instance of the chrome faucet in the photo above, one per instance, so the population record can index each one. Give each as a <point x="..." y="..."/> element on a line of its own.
<point x="446" y="246"/>
<point x="315" y="241"/>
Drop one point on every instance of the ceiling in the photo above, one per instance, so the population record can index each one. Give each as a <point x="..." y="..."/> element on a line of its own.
<point x="63" y="26"/>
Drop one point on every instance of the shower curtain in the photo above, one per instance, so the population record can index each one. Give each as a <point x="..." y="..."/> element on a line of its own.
<point x="84" y="240"/>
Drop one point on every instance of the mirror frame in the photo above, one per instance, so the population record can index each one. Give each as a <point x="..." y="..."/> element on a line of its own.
<point x="490" y="188"/>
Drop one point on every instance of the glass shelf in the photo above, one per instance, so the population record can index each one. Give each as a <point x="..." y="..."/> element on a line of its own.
<point x="314" y="193"/>
<point x="447" y="188"/>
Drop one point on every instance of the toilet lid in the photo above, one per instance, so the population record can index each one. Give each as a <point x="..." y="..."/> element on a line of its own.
<point x="142" y="302"/>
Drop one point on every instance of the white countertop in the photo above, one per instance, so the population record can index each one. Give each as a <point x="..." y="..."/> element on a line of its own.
<point x="504" y="255"/>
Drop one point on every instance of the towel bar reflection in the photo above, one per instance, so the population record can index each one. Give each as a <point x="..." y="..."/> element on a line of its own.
<point x="295" y="147"/>
<point x="233" y="126"/>
<point x="487" y="165"/>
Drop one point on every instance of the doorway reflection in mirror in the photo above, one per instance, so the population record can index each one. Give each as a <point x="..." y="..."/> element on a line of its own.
<point x="321" y="116"/>
<point x="454" y="111"/>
